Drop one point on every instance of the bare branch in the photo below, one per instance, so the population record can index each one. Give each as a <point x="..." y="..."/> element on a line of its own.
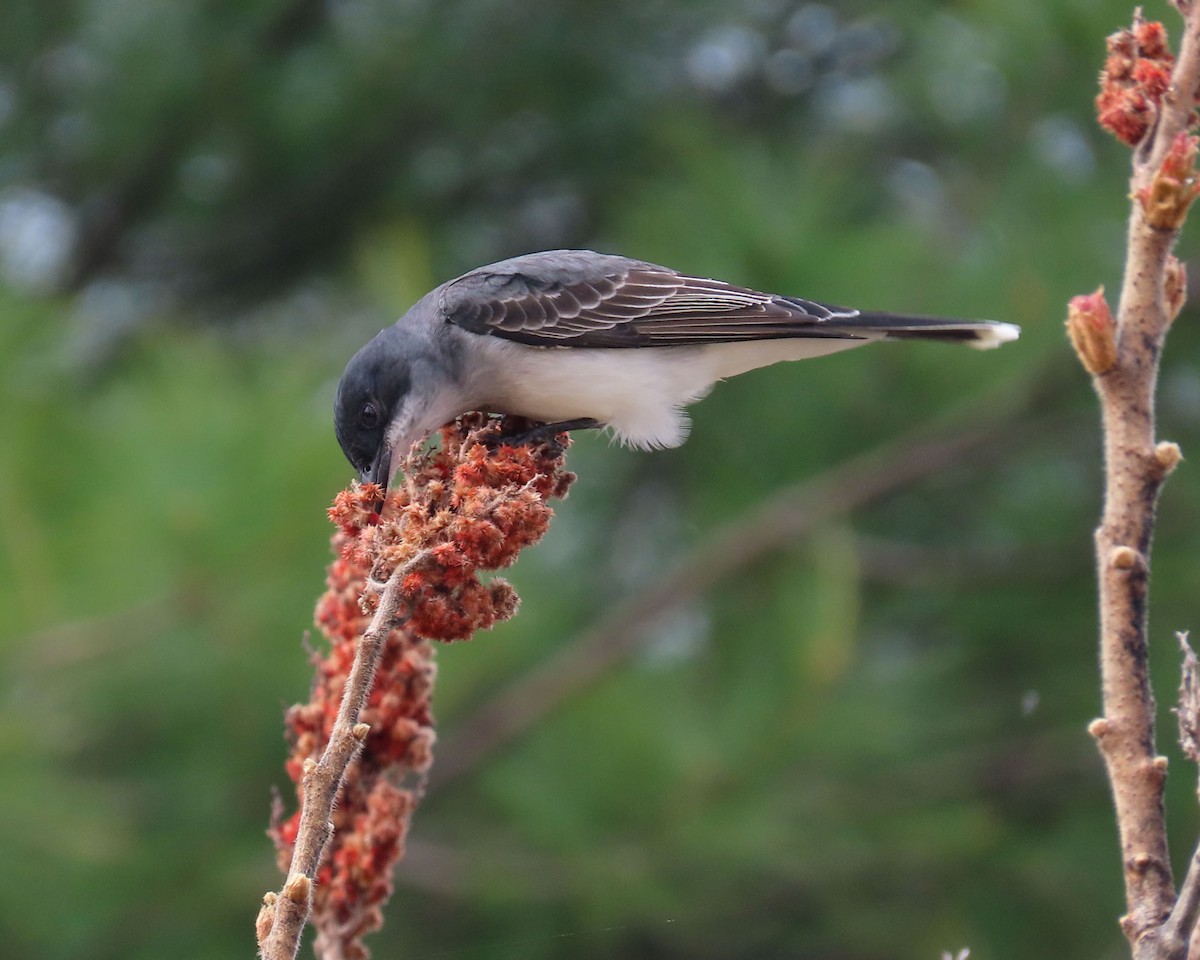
<point x="323" y="779"/>
<point x="1188" y="711"/>
<point x="1162" y="187"/>
<point x="1170" y="941"/>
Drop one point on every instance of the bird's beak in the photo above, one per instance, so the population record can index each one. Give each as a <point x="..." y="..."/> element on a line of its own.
<point x="398" y="440"/>
<point x="380" y="471"/>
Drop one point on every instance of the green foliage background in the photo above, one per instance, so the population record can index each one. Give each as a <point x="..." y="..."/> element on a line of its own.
<point x="870" y="745"/>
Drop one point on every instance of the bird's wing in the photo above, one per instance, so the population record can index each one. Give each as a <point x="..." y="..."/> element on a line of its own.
<point x="581" y="299"/>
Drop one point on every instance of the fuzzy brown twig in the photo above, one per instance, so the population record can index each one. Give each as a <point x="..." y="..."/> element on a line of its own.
<point x="322" y="780"/>
<point x="1157" y="94"/>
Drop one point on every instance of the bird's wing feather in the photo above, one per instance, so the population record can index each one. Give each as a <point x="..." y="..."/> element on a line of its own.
<point x="583" y="299"/>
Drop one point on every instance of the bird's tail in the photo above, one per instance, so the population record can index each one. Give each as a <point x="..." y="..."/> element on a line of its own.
<point x="980" y="334"/>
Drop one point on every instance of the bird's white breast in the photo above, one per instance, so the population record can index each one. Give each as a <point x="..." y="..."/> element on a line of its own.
<point x="639" y="393"/>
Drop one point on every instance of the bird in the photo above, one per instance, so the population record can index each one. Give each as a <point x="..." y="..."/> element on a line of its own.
<point x="573" y="339"/>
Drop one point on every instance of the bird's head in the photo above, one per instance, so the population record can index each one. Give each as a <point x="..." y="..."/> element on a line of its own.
<point x="372" y="389"/>
<point x="393" y="392"/>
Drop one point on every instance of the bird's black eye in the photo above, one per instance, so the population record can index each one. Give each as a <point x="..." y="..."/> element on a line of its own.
<point x="368" y="416"/>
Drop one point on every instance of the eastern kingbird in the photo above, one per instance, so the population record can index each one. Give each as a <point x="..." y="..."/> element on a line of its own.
<point x="575" y="339"/>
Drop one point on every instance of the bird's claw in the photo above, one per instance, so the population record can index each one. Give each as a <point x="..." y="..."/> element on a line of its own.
<point x="547" y="433"/>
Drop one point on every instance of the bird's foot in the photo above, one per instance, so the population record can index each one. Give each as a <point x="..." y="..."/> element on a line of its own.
<point x="546" y="432"/>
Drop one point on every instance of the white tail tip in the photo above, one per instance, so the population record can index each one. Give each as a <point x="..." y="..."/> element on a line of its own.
<point x="993" y="335"/>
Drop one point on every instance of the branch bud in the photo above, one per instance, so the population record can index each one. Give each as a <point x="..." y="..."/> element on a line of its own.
<point x="1136" y="74"/>
<point x="1167" y="456"/>
<point x="1140" y="862"/>
<point x="1123" y="558"/>
<point x="265" y="919"/>
<point x="360" y="731"/>
<point x="297" y="888"/>
<point x="1093" y="332"/>
<point x="1166" y="200"/>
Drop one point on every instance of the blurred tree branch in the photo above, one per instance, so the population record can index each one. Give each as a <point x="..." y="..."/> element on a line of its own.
<point x="775" y="524"/>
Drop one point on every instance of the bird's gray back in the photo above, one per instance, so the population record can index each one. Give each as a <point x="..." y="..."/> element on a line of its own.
<point x="585" y="299"/>
<point x="550" y="268"/>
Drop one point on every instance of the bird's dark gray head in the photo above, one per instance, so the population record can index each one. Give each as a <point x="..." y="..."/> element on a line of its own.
<point x="373" y="387"/>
